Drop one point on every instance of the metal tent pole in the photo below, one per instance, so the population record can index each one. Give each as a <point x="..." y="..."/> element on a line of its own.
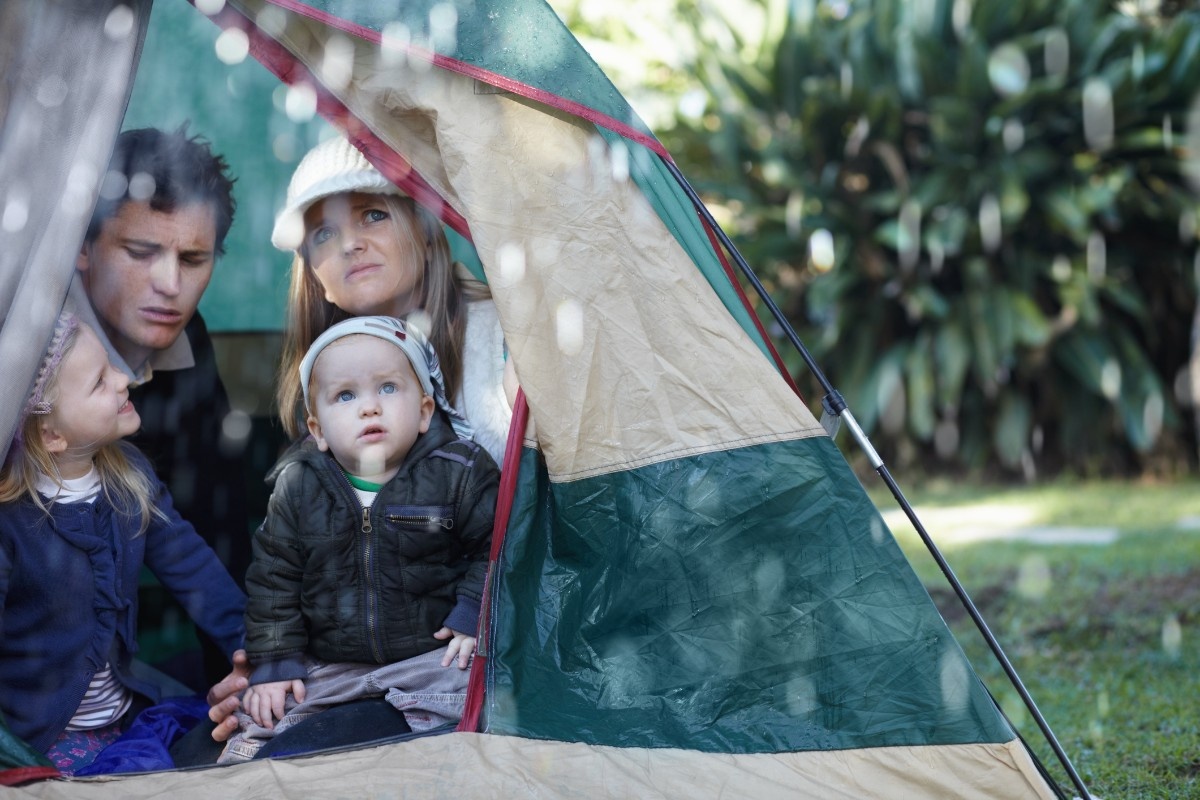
<point x="834" y="404"/>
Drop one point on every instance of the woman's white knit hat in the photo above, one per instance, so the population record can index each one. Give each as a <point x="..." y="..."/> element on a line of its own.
<point x="332" y="167"/>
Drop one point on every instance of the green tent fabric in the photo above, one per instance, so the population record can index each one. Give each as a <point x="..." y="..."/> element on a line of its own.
<point x="693" y="589"/>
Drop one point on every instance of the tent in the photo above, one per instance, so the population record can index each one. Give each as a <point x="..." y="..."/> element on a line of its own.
<point x="694" y="593"/>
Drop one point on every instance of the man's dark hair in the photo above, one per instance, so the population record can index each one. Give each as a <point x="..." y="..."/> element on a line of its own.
<point x="183" y="169"/>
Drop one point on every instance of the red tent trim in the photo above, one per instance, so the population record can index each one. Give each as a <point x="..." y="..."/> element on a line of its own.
<point x="737" y="287"/>
<point x="19" y="775"/>
<point x="477" y="682"/>
<point x="291" y="71"/>
<point x="485" y="76"/>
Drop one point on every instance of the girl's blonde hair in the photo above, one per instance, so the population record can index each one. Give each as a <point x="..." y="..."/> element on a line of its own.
<point x="128" y="489"/>
<point x="440" y="295"/>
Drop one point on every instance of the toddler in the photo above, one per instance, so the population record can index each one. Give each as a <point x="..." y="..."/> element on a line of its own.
<point x="367" y="573"/>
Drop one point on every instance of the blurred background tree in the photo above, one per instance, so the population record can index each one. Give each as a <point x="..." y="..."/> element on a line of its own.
<point x="977" y="215"/>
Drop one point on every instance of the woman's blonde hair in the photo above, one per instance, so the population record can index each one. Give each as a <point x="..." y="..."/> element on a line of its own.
<point x="128" y="489"/>
<point x="441" y="296"/>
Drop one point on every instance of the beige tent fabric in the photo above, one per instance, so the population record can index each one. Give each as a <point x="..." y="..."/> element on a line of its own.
<point x="484" y="766"/>
<point x="67" y="70"/>
<point x="626" y="355"/>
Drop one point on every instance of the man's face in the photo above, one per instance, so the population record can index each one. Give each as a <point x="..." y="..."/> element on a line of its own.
<point x="145" y="273"/>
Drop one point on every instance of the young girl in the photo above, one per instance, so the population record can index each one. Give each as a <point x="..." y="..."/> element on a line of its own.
<point x="362" y="247"/>
<point x="80" y="513"/>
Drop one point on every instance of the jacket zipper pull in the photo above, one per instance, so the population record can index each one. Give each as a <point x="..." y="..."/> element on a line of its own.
<point x="366" y="523"/>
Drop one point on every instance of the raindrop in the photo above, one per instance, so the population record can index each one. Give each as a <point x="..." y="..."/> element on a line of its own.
<point x="232" y="46"/>
<point x="79" y="195"/>
<point x="337" y="64"/>
<point x="420" y="320"/>
<point x="210" y="7"/>
<point x="1057" y="52"/>
<point x="858" y="135"/>
<point x="1008" y="70"/>
<point x="1138" y="62"/>
<point x="119" y="23"/>
<point x="1103" y="704"/>
<point x="1097" y="114"/>
<point x="1187" y="225"/>
<point x="52" y="91"/>
<point x="1168" y="133"/>
<point x="793" y="214"/>
<point x="1037" y="438"/>
<point x="1097" y="256"/>
<point x="114" y="185"/>
<point x="1110" y="379"/>
<point x="1152" y="416"/>
<point x="141" y="186"/>
<point x="878" y="530"/>
<point x="801" y="697"/>
<point x="568" y="321"/>
<point x="301" y="102"/>
<point x="510" y="259"/>
<point x="283" y="147"/>
<point x="272" y="21"/>
<point x="909" y="234"/>
<point x="820" y="249"/>
<point x="1191" y="145"/>
<point x="443" y="27"/>
<point x="960" y="17"/>
<point x="692" y="104"/>
<point x="16" y="211"/>
<point x="769" y="582"/>
<point x="394" y="44"/>
<point x="1183" y="386"/>
<point x="955" y="681"/>
<point x="1172" y="636"/>
<point x="1060" y="269"/>
<point x="945" y="438"/>
<point x="619" y="162"/>
<point x="235" y="429"/>
<point x="937" y="256"/>
<point x="1033" y="578"/>
<point x="847" y="79"/>
<point x="290" y="228"/>
<point x="989" y="223"/>
<point x="1013" y="135"/>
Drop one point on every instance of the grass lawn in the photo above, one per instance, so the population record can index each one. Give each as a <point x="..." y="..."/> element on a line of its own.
<point x="1102" y="630"/>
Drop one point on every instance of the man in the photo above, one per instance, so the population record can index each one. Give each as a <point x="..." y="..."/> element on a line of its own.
<point x="165" y="207"/>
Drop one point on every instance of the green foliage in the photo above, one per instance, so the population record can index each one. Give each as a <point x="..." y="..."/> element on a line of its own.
<point x="1010" y="281"/>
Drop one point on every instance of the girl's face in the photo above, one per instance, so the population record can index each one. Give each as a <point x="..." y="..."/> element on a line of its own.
<point x="363" y="264"/>
<point x="91" y="406"/>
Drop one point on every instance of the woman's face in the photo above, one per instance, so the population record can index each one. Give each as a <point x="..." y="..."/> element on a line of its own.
<point x="363" y="265"/>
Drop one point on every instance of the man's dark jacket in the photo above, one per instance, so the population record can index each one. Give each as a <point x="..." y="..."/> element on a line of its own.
<point x="183" y="413"/>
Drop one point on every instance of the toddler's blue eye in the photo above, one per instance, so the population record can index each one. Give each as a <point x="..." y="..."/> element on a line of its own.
<point x="376" y="215"/>
<point x="387" y="388"/>
<point x="321" y="235"/>
<point x="345" y="396"/>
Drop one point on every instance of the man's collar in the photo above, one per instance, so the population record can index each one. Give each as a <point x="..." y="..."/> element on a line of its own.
<point x="177" y="356"/>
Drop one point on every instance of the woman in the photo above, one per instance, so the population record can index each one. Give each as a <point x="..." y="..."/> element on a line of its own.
<point x="362" y="247"/>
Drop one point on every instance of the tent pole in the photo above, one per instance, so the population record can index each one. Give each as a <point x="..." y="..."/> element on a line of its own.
<point x="835" y="404"/>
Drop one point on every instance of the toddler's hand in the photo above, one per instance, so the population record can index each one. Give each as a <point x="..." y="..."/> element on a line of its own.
<point x="461" y="645"/>
<point x="265" y="702"/>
